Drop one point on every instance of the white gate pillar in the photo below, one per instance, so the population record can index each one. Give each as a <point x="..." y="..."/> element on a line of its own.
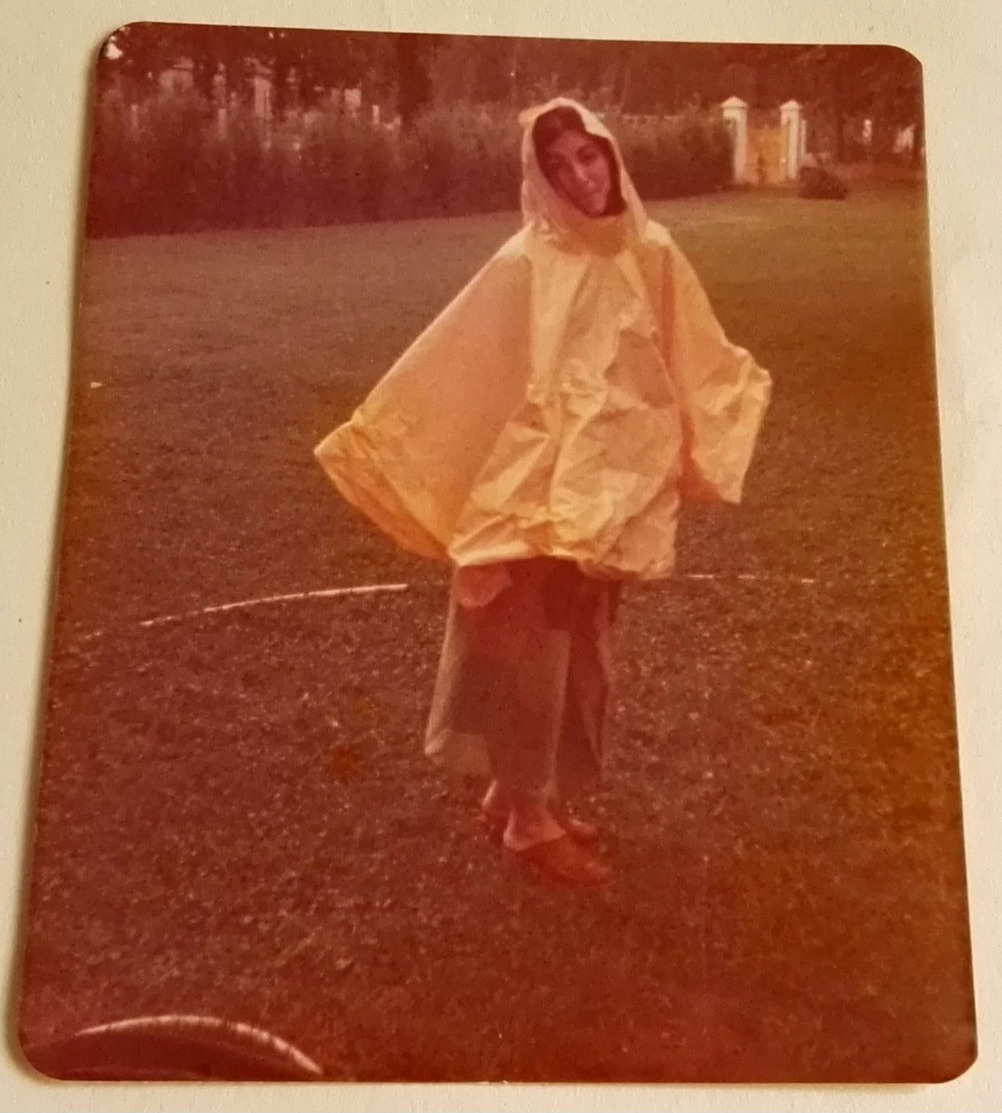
<point x="735" y="112"/>
<point x="791" y="116"/>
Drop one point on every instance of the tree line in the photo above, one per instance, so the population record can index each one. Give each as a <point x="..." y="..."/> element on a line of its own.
<point x="408" y="73"/>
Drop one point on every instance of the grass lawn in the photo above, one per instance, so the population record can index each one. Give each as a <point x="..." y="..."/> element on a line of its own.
<point x="234" y="815"/>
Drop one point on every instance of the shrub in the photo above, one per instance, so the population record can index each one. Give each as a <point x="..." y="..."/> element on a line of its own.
<point x="169" y="166"/>
<point x="676" y="155"/>
<point x="819" y="184"/>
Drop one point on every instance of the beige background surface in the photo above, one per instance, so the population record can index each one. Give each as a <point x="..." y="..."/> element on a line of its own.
<point x="45" y="49"/>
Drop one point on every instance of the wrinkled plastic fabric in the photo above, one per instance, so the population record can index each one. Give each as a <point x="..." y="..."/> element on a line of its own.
<point x="563" y="404"/>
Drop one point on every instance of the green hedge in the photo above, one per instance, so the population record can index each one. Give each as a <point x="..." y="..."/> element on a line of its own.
<point x="166" y="166"/>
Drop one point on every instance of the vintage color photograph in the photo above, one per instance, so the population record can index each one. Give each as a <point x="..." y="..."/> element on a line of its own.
<point x="501" y="629"/>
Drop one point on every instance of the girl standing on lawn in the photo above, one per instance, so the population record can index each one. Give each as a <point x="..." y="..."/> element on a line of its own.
<point x="539" y="435"/>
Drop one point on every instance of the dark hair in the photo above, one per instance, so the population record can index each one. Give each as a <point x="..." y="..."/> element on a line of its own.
<point x="551" y="125"/>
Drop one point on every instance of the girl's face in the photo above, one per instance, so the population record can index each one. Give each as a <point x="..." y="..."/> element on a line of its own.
<point x="577" y="167"/>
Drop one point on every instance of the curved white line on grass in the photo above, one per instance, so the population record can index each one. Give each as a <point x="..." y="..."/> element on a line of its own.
<point x="371" y="589"/>
<point x="264" y="600"/>
<point x="180" y="1022"/>
<point x="749" y="577"/>
<point x="326" y="593"/>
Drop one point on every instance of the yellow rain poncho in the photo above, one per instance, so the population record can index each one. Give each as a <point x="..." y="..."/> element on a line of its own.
<point x="562" y="403"/>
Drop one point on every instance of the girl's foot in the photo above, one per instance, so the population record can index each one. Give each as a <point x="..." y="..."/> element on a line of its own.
<point x="530" y="823"/>
<point x="561" y="860"/>
<point x="496" y="809"/>
<point x="536" y="837"/>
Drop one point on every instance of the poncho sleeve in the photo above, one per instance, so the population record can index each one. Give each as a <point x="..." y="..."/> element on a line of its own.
<point x="411" y="451"/>
<point x="723" y="393"/>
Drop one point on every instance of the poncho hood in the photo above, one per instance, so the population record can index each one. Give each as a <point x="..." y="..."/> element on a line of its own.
<point x="551" y="215"/>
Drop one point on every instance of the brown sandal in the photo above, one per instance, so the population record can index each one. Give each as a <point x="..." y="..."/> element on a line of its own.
<point x="562" y="860"/>
<point x="578" y="829"/>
